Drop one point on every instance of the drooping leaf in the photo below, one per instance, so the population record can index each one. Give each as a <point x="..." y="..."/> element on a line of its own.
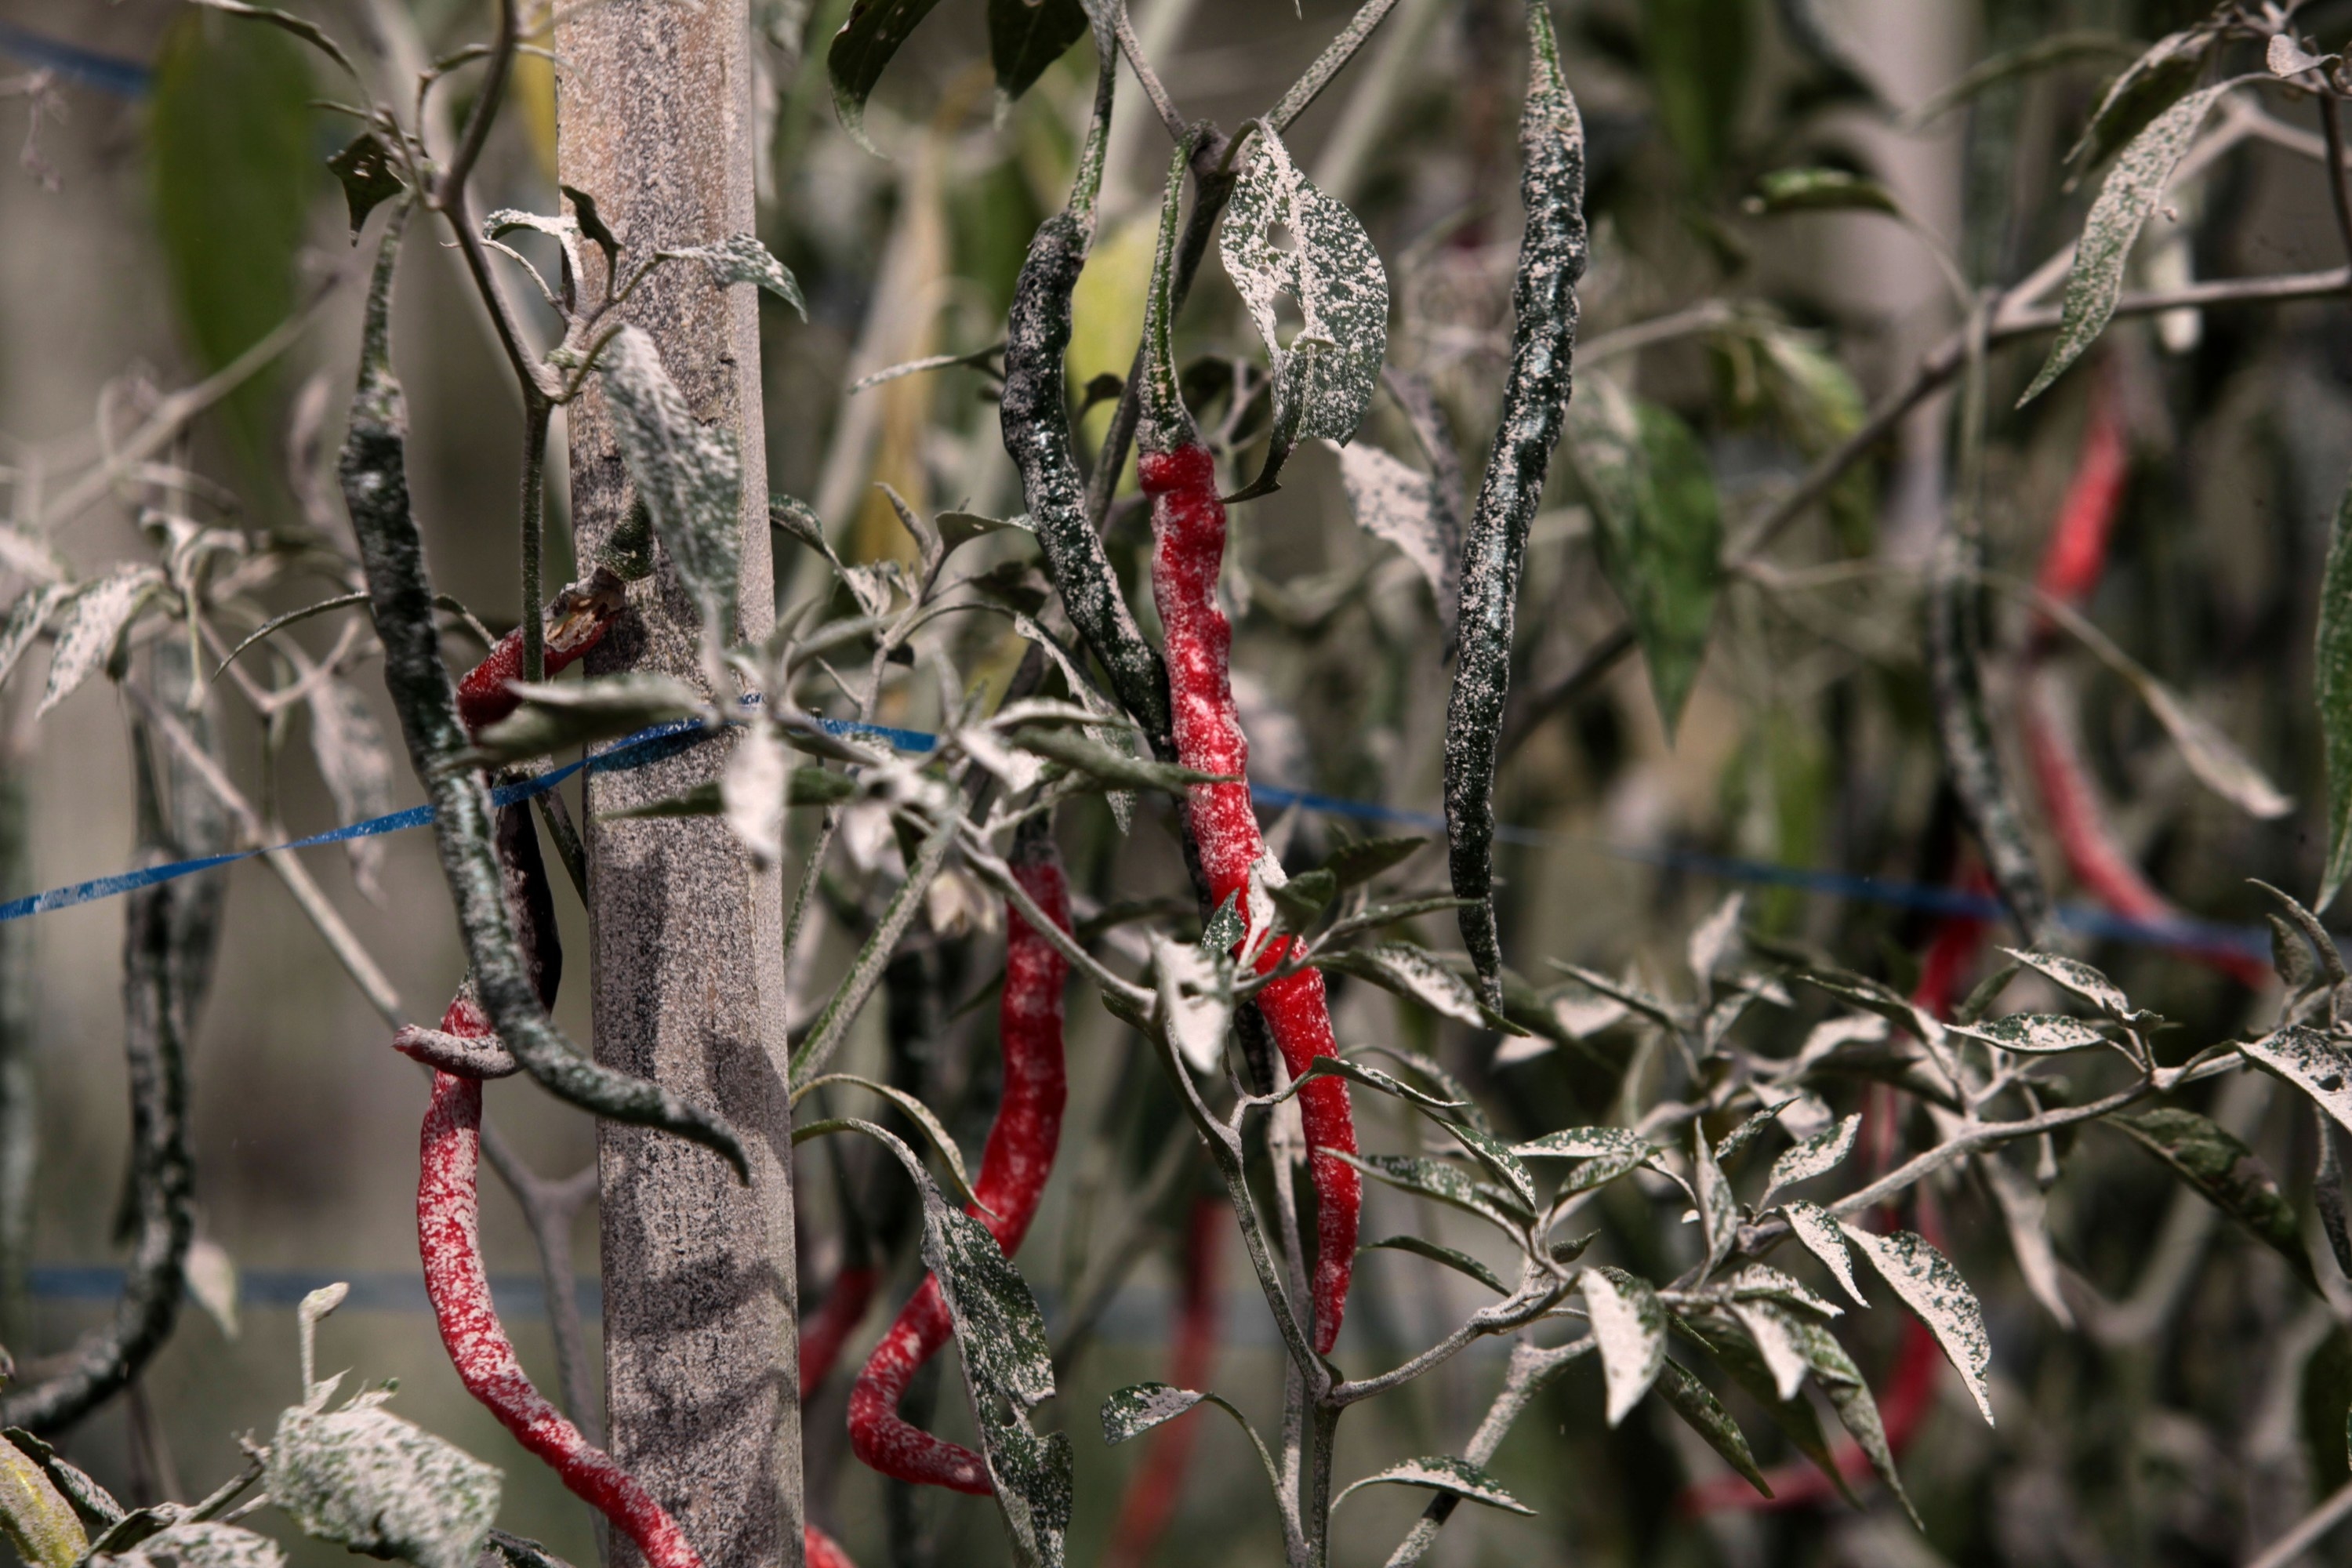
<point x="1412" y="972"/>
<point x="2129" y="196"/>
<point x="1432" y="1179"/>
<point x="1360" y="862"/>
<point x="1705" y="1415"/>
<point x="2025" y="1210"/>
<point x="2145" y="89"/>
<point x="2226" y="1174"/>
<point x="93" y="626"/>
<point x="1772" y="1332"/>
<point x="1325" y="374"/>
<point x="1629" y="1325"/>
<point x="1497" y="1158"/>
<point x="1850" y="1397"/>
<point x="1795" y="1417"/>
<point x="686" y="474"/>
<point x="1934" y="1291"/>
<point x="1443" y="1473"/>
<point x="1025" y="36"/>
<point x="1394" y="501"/>
<point x="2213" y="757"/>
<point x="1195" y="1005"/>
<point x="1817" y="1229"/>
<point x="742" y="259"/>
<point x="38" y="1520"/>
<point x="213" y="1283"/>
<point x="1658" y="526"/>
<point x="2072" y="974"/>
<point x="26" y="617"/>
<point x="753" y="790"/>
<point x="2034" y="1033"/>
<point x="365" y="1479"/>
<point x="202" y="1543"/>
<point x="1460" y="1262"/>
<point x="356" y="766"/>
<point x="1823" y="1152"/>
<point x="1762" y="1282"/>
<point x="914" y="1110"/>
<point x="556" y="715"/>
<point x="1657" y="1010"/>
<point x="1372" y="1078"/>
<point x="860" y="52"/>
<point x="1698" y="55"/>
<point x="229" y="132"/>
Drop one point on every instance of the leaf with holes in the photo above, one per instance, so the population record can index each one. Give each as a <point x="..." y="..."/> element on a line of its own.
<point x="1817" y="1156"/>
<point x="1443" y="1473"/>
<point x="2034" y="1033"/>
<point x="1629" y="1325"/>
<point x="1324" y="377"/>
<point x="2226" y="1174"/>
<point x="2132" y="189"/>
<point x="687" y="473"/>
<point x="93" y="627"/>
<point x="1658" y="526"/>
<point x="1934" y="1291"/>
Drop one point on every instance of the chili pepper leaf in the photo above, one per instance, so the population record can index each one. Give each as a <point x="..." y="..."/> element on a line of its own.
<point x="865" y="970"/>
<point x="36" y="558"/>
<point x="2072" y="974"/>
<point x="92" y="1504"/>
<point x="1714" y="939"/>
<point x="1432" y="1179"/>
<point x="2226" y="1174"/>
<point x="1662" y="1014"/>
<point x="1360" y="862"/>
<point x="1025" y="36"/>
<point x="1771" y="1330"/>
<point x="687" y="473"/>
<point x="1705" y="1415"/>
<point x="1850" y="1397"/>
<point x="1749" y="1129"/>
<point x="26" y="617"/>
<point x="202" y="1543"/>
<point x="364" y="1478"/>
<point x="861" y="50"/>
<point x="1658" y="526"/>
<point x="1583" y="1143"/>
<point x="1427" y="1068"/>
<point x="1324" y="378"/>
<point x="1136" y="1409"/>
<point x="2212" y="756"/>
<point x="915" y="1110"/>
<point x="93" y="627"/>
<point x="1762" y="1282"/>
<point x="1373" y="1079"/>
<point x="365" y="168"/>
<point x="1410" y="972"/>
<point x="1816" y="1156"/>
<point x="1934" y="1291"/>
<point x="1696" y="55"/>
<point x="302" y="28"/>
<point x="1398" y="503"/>
<point x="1718" y="1211"/>
<point x="1817" y="1229"/>
<point x="1195" y="1002"/>
<point x="1603" y="1169"/>
<point x="356" y="766"/>
<point x="1497" y="1157"/>
<point x="38" y="1521"/>
<point x="1819" y="190"/>
<point x="754" y="789"/>
<point x="742" y="259"/>
<point x="2034" y="1033"/>
<point x="1112" y="769"/>
<point x="1795" y="1417"/>
<point x="1443" y="1473"/>
<point x="2025" y="1211"/>
<point x="2323" y="944"/>
<point x="1628" y="1324"/>
<point x="555" y="715"/>
<point x="1460" y="1262"/>
<point x="213" y="1281"/>
<point x="2145" y="89"/>
<point x="2126" y="200"/>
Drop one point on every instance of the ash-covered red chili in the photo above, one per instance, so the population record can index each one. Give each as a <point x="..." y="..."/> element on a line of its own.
<point x="823" y="1551"/>
<point x="1187" y="529"/>
<point x="823" y="1335"/>
<point x="1014" y="1166"/>
<point x="574" y="623"/>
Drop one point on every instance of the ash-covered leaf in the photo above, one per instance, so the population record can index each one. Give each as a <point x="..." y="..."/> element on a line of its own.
<point x="1623" y="992"/>
<point x="1817" y="1229"/>
<point x="92" y="626"/>
<point x="1432" y="1179"/>
<point x="1934" y="1291"/>
<point x="915" y="1110"/>
<point x="26" y="617"/>
<point x="1357" y="863"/>
<point x="861" y="50"/>
<point x="2129" y="196"/>
<point x="356" y="766"/>
<point x="1372" y="1078"/>
<point x="1460" y="1262"/>
<point x="1629" y="1325"/>
<point x="742" y="259"/>
<point x="2072" y="974"/>
<point x="1584" y="1142"/>
<point x="2216" y="759"/>
<point x="686" y="474"/>
<point x="1195" y="1005"/>
<point x="1659" y="527"/>
<point x="2025" y="1210"/>
<point x="1602" y="1170"/>
<point x="1714" y="939"/>
<point x="1411" y="972"/>
<point x="1495" y="1156"/>
<point x="1443" y="1473"/>
<point x="35" y="1516"/>
<point x="1823" y="1152"/>
<point x="200" y="1544"/>
<point x="1771" y="1330"/>
<point x="2145" y="89"/>
<point x="1762" y="1282"/>
<point x="1109" y="768"/>
<point x="1718" y="1210"/>
<point x="213" y="1281"/>
<point x="365" y="1479"/>
<point x="1795" y="1417"/>
<point x="1324" y="378"/>
<point x="2034" y="1033"/>
<point x="1136" y="1409"/>
<point x="554" y="716"/>
<point x="2226" y="1174"/>
<point x="1705" y="1415"/>
<point x="1392" y="501"/>
<point x="1850" y="1397"/>
<point x="1751" y="1129"/>
<point x="753" y="790"/>
<point x="92" y="1504"/>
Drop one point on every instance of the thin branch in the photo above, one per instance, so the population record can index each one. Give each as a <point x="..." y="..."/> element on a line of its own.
<point x="549" y="1208"/>
<point x="1153" y="87"/>
<point x="1532" y="1369"/>
<point x="1516" y="1311"/>
<point x="1330" y="63"/>
<point x="2331" y="125"/>
<point x="2307" y="1533"/>
<point x="450" y="189"/>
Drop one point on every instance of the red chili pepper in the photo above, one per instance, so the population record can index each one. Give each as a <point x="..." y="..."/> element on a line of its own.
<point x="829" y="1329"/>
<point x="2077" y="554"/>
<point x="1151" y="1497"/>
<point x="823" y="1551"/>
<point x="576" y="623"/>
<point x="447" y="1236"/>
<point x="1014" y="1166"/>
<point x="1188" y="526"/>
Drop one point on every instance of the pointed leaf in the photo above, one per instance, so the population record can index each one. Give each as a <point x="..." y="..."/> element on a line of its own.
<point x="742" y="259"/>
<point x="36" y="1520"/>
<point x="202" y="1543"/>
<point x="92" y="627"/>
<point x="1770" y="1329"/>
<point x="1706" y="1415"/>
<point x="554" y="716"/>
<point x="1817" y="1230"/>
<point x="26" y="617"/>
<point x="365" y="1479"/>
<point x="1366" y="858"/>
<point x="1819" y="190"/>
<point x="861" y="50"/>
<point x="2034" y="1033"/>
<point x="1432" y="1179"/>
<point x="1025" y="36"/>
<point x="2332" y="674"/>
<point x="1584" y="1142"/>
<point x="1194" y="1006"/>
<point x="1460" y="1262"/>
<point x="2145" y="89"/>
<point x="2072" y="974"/>
<point x="687" y="475"/>
<point x="1444" y="1474"/>
<point x="1629" y="1325"/>
<point x="1497" y="1157"/>
<point x="1374" y="1079"/>
<point x="2320" y="1065"/>
<point x="1823" y="1152"/>
<point x="1109" y="768"/>
<point x="1850" y="1397"/>
<point x="1934" y="1291"/>
<point x="1718" y="1211"/>
<point x="1136" y="1409"/>
<point x="365" y="168"/>
<point x="1398" y="503"/>
<point x="1411" y="972"/>
<point x="2226" y="1174"/>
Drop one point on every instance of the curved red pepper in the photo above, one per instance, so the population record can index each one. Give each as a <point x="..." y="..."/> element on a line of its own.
<point x="1014" y="1166"/>
<point x="1187" y="527"/>
<point x="576" y="623"/>
<point x="830" y="1328"/>
<point x="823" y="1551"/>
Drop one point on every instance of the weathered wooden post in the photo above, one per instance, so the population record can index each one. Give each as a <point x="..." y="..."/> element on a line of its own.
<point x="655" y="122"/>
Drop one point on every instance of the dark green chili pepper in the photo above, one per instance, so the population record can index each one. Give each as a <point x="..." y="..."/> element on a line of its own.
<point x="375" y="488"/>
<point x="1535" y="402"/>
<point x="1035" y="421"/>
<point x="171" y="934"/>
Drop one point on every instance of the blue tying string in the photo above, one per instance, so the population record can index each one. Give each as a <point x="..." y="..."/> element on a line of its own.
<point x="124" y="79"/>
<point x="663" y="740"/>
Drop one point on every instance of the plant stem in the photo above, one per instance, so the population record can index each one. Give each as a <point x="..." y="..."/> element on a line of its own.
<point x="2331" y="125"/>
<point x="536" y="412"/>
